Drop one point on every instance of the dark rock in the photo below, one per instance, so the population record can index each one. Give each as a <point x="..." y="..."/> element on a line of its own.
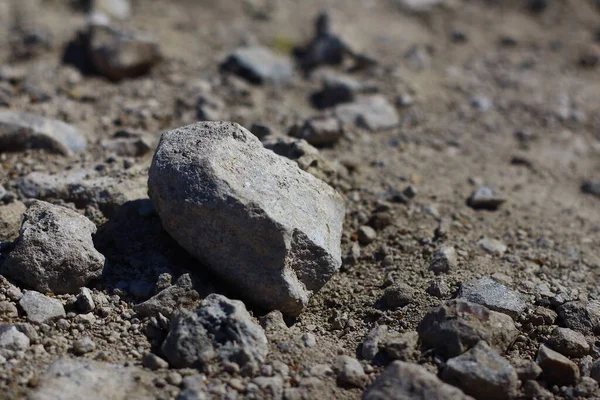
<point x="319" y="131"/>
<point x="557" y="369"/>
<point x="444" y="259"/>
<point x="397" y="295"/>
<point x="456" y="326"/>
<point x="581" y="316"/>
<point x="482" y="373"/>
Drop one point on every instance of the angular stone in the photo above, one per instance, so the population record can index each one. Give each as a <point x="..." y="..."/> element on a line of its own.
<point x="495" y="296"/>
<point x="444" y="259"/>
<point x="568" y="342"/>
<point x="41" y="309"/>
<point x="482" y="373"/>
<point x="120" y="9"/>
<point x="169" y="299"/>
<point x="254" y="218"/>
<point x="67" y="379"/>
<point x="319" y="131"/>
<point x="20" y="131"/>
<point x="456" y="326"/>
<point x="526" y="370"/>
<point x="557" y="369"/>
<point x="403" y="346"/>
<point x="118" y="54"/>
<point x="55" y="251"/>
<point x="581" y="316"/>
<point x="350" y="372"/>
<point x="371" y="112"/>
<point x="485" y="198"/>
<point x="492" y="246"/>
<point x="10" y="220"/>
<point x="258" y="65"/>
<point x="404" y="381"/>
<point x="84" y="189"/>
<point x="219" y="328"/>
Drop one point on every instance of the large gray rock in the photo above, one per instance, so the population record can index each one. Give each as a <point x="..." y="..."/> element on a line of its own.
<point x="405" y="381"/>
<point x="54" y="251"/>
<point x="21" y="131"/>
<point x="41" y="309"/>
<point x="494" y="295"/>
<point x="456" y="326"/>
<point x="70" y="379"/>
<point x="83" y="188"/>
<point x="119" y="54"/>
<point x="219" y="328"/>
<point x="257" y="220"/>
<point x="482" y="373"/>
<point x="258" y="65"/>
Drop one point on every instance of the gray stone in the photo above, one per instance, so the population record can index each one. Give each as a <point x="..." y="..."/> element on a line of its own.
<point x="170" y="299"/>
<point x="83" y="346"/>
<point x="8" y="310"/>
<point x="119" y="54"/>
<point x="444" y="259"/>
<point x="398" y="295"/>
<point x="401" y="346"/>
<point x="68" y="379"/>
<point x="84" y="302"/>
<point x="13" y="342"/>
<point x="247" y="213"/>
<point x="485" y="198"/>
<point x="83" y="188"/>
<point x="492" y="246"/>
<point x="41" y="309"/>
<point x="526" y="370"/>
<point x="405" y="381"/>
<point x="495" y="296"/>
<point x="370" y="345"/>
<point x="568" y="342"/>
<point x="456" y="326"/>
<point x="10" y="220"/>
<point x="482" y="373"/>
<point x="557" y="369"/>
<point x="366" y="235"/>
<point x="350" y="372"/>
<point x="154" y="362"/>
<point x="20" y="131"/>
<point x="259" y="65"/>
<point x="319" y="131"/>
<point x="54" y="251"/>
<point x="371" y="112"/>
<point x="128" y="147"/>
<point x="119" y="9"/>
<point x="438" y="288"/>
<point x="581" y="316"/>
<point x="219" y="328"/>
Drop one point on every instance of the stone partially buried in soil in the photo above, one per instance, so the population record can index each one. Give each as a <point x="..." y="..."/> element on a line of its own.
<point x="404" y="381"/>
<point x="485" y="198"/>
<point x="456" y="326"/>
<point x="41" y="309"/>
<point x="258" y="65"/>
<point x="54" y="251"/>
<point x="256" y="219"/>
<point x="68" y="379"/>
<point x="218" y="328"/>
<point x="117" y="54"/>
<point x="495" y="296"/>
<point x="21" y="131"/>
<point x="374" y="113"/>
<point x="482" y="373"/>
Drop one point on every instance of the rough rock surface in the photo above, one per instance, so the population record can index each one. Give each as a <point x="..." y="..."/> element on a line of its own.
<point x="54" y="251"/>
<point x="458" y="325"/>
<point x="258" y="65"/>
<point x="404" y="381"/>
<point x="482" y="373"/>
<point x="41" y="309"/>
<point x="20" y="131"/>
<point x="68" y="378"/>
<point x="494" y="295"/>
<point x="556" y="367"/>
<point x="218" y="328"/>
<point x="247" y="213"/>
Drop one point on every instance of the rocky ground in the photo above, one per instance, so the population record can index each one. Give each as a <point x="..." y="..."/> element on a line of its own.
<point x="408" y="208"/>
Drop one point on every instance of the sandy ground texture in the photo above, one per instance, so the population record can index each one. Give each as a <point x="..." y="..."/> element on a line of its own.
<point x="463" y="137"/>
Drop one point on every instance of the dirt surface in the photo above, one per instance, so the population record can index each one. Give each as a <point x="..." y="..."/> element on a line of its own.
<point x="499" y="96"/>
